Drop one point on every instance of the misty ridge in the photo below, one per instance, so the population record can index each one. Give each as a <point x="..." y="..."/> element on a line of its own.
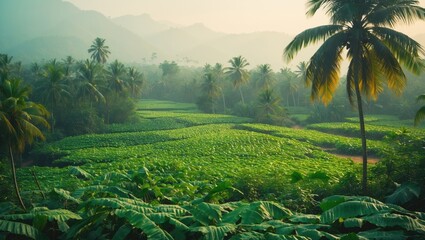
<point x="43" y="29"/>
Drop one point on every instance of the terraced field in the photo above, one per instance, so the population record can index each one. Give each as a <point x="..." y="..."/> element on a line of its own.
<point x="174" y="141"/>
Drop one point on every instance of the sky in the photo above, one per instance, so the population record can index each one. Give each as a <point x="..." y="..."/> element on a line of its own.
<point x="229" y="16"/>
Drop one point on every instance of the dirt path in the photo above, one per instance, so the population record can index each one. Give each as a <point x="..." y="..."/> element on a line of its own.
<point x="355" y="158"/>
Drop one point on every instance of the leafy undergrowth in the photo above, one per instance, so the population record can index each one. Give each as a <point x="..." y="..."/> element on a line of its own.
<point x="374" y="132"/>
<point x="132" y="206"/>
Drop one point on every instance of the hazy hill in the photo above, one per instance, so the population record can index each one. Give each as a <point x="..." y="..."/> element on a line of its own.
<point x="42" y="29"/>
<point x="39" y="29"/>
<point x="143" y="25"/>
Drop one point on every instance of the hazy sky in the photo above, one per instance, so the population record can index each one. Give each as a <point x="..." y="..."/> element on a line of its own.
<point x="231" y="16"/>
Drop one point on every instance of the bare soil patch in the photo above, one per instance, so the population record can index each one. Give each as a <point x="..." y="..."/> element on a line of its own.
<point x="355" y="158"/>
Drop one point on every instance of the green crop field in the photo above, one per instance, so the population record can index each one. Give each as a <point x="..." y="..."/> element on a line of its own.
<point x="183" y="166"/>
<point x="194" y="147"/>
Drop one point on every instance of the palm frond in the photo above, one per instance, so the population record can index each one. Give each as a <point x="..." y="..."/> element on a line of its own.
<point x="389" y="66"/>
<point x="370" y="81"/>
<point x="323" y="70"/>
<point x="405" y="49"/>
<point x="390" y="12"/>
<point x="314" y="5"/>
<point x="309" y="36"/>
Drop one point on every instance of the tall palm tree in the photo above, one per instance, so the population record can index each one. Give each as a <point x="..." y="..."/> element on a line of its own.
<point x="375" y="51"/>
<point x="420" y="114"/>
<point x="218" y="72"/>
<point x="99" y="51"/>
<point x="116" y="74"/>
<point x="268" y="107"/>
<point x="266" y="76"/>
<point x="301" y="71"/>
<point x="211" y="89"/>
<point x="135" y="81"/>
<point x="87" y="80"/>
<point x="5" y="66"/>
<point x="52" y="88"/>
<point x="19" y="122"/>
<point x="237" y="73"/>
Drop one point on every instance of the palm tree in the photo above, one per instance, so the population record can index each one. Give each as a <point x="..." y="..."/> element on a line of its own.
<point x="237" y="73"/>
<point x="52" y="87"/>
<point x="268" y="107"/>
<point x="375" y="51"/>
<point x="266" y="76"/>
<point x="211" y="89"/>
<point x="218" y="72"/>
<point x="289" y="85"/>
<point x="301" y="71"/>
<point x="99" y="51"/>
<point x="420" y="114"/>
<point x="19" y="121"/>
<point x="5" y="66"/>
<point x="135" y="82"/>
<point x="116" y="74"/>
<point x="87" y="78"/>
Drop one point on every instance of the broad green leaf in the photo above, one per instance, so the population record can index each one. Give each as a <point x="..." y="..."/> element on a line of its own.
<point x="352" y="236"/>
<point x="257" y="212"/>
<point x="142" y="222"/>
<point x="215" y="232"/>
<point x="305" y="218"/>
<point x="248" y="236"/>
<point x="101" y="188"/>
<point x="60" y="215"/>
<point x="332" y="201"/>
<point x="66" y="195"/>
<point x="397" y="220"/>
<point x="80" y="173"/>
<point x="171" y="209"/>
<point x="221" y="187"/>
<point x="19" y="229"/>
<point x="404" y="193"/>
<point x="119" y="203"/>
<point x="205" y="213"/>
<point x="383" y="235"/>
<point x="272" y="236"/>
<point x="122" y="232"/>
<point x="314" y="234"/>
<point x="352" y="209"/>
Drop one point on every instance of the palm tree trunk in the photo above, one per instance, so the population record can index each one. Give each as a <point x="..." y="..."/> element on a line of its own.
<point x="224" y="102"/>
<point x="243" y="100"/>
<point x="15" y="181"/>
<point x="362" y="133"/>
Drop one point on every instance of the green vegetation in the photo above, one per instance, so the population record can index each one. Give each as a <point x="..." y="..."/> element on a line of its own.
<point x="134" y="206"/>
<point x="376" y="53"/>
<point x="226" y="152"/>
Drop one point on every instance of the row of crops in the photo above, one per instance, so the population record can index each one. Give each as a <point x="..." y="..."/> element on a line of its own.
<point x="173" y="140"/>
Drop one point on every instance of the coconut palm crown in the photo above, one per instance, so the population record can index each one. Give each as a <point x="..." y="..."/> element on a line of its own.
<point x="99" y="51"/>
<point x="363" y="30"/>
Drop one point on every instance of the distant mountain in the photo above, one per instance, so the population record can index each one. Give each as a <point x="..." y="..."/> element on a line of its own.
<point x="143" y="25"/>
<point x="43" y="29"/>
<point x="40" y="29"/>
